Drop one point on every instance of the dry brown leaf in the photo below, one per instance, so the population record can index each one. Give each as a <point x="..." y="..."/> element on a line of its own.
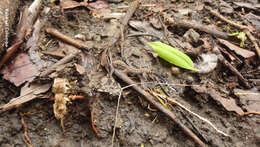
<point x="80" y="69"/>
<point x="249" y="98"/>
<point x="200" y="6"/>
<point x="99" y="7"/>
<point x="228" y="103"/>
<point x="20" y="70"/>
<point x="240" y="51"/>
<point x="206" y="44"/>
<point x="28" y="93"/>
<point x="69" y="4"/>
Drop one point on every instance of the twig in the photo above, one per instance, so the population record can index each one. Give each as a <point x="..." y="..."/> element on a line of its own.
<point x="254" y="41"/>
<point x="65" y="38"/>
<point x="194" y="25"/>
<point x="119" y="97"/>
<point x="248" y="113"/>
<point x="142" y="34"/>
<point x="10" y="52"/>
<point x="215" y="13"/>
<point x="93" y="123"/>
<point x="117" y="111"/>
<point x="27" y="139"/>
<point x="241" y="27"/>
<point x="61" y="62"/>
<point x="132" y="8"/>
<point x="129" y="69"/>
<point x="195" y="114"/>
<point x="230" y="66"/>
<point x="167" y="112"/>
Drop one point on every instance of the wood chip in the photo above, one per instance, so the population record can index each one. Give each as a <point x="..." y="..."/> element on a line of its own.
<point x="240" y="51"/>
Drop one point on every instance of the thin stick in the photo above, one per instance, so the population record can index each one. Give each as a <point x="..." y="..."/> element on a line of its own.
<point x="26" y="136"/>
<point x="65" y="38"/>
<point x="117" y="111"/>
<point x="93" y="123"/>
<point x="248" y="113"/>
<point x="230" y="66"/>
<point x="241" y="27"/>
<point x="215" y="13"/>
<point x="172" y="101"/>
<point x="61" y="62"/>
<point x="10" y="52"/>
<point x="167" y="112"/>
<point x="119" y="97"/>
<point x="254" y="41"/>
<point x="132" y="8"/>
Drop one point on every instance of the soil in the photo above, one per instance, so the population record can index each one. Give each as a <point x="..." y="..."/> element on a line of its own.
<point x="139" y="123"/>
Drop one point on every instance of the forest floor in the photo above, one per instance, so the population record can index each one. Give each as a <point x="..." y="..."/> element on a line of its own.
<point x="114" y="53"/>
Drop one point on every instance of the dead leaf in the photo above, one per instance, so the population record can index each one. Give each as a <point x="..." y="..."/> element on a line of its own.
<point x="28" y="93"/>
<point x="80" y="69"/>
<point x="209" y="63"/>
<point x="69" y="4"/>
<point x="99" y="8"/>
<point x="240" y="51"/>
<point x="249" y="98"/>
<point x="20" y="70"/>
<point x="199" y="6"/>
<point x="206" y="44"/>
<point x="228" y="103"/>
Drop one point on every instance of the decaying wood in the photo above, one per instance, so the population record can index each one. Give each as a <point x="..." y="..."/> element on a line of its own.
<point x="167" y="112"/>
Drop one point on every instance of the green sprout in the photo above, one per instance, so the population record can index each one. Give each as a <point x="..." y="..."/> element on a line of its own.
<point x="241" y="36"/>
<point x="173" y="55"/>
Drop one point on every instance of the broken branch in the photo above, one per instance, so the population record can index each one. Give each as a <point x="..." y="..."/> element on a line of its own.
<point x="189" y="24"/>
<point x="167" y="112"/>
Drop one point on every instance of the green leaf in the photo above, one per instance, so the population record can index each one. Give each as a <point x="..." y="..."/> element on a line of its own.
<point x="241" y="36"/>
<point x="173" y="55"/>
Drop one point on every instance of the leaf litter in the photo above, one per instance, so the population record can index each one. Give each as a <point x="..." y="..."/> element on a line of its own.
<point x="102" y="85"/>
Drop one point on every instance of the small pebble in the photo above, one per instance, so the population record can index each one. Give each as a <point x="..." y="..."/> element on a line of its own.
<point x="175" y="70"/>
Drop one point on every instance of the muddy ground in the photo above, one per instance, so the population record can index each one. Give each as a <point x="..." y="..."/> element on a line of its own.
<point x="139" y="123"/>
